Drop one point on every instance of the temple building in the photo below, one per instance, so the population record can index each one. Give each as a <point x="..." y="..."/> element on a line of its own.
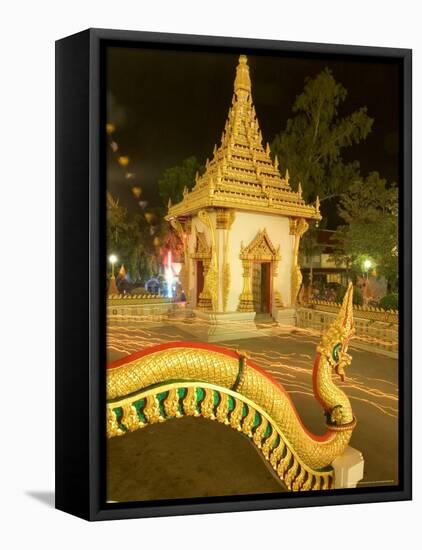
<point x="241" y="224"/>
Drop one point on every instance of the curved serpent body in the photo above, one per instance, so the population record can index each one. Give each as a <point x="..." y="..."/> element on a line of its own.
<point x="194" y="379"/>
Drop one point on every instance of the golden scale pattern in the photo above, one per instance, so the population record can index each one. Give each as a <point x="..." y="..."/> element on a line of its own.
<point x="298" y="457"/>
<point x="214" y="405"/>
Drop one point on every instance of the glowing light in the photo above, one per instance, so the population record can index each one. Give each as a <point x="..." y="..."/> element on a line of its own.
<point x="367" y="264"/>
<point x="127" y="334"/>
<point x="136" y="190"/>
<point x="112" y="289"/>
<point x="168" y="275"/>
<point x="123" y="160"/>
<point x="177" y="267"/>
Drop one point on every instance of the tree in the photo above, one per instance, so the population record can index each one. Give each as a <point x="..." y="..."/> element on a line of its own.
<point x="314" y="138"/>
<point x="370" y="210"/>
<point x="175" y="179"/>
<point x="130" y="237"/>
<point x="309" y="248"/>
<point x="119" y="236"/>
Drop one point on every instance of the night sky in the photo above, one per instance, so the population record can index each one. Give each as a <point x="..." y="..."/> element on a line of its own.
<point x="168" y="105"/>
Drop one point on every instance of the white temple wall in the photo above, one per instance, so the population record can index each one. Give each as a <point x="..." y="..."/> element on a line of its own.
<point x="244" y="229"/>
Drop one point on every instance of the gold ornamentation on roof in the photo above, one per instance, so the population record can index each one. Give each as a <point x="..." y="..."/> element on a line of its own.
<point x="241" y="173"/>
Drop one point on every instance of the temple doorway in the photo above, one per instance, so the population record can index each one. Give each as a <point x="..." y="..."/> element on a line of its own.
<point x="261" y="287"/>
<point x="199" y="279"/>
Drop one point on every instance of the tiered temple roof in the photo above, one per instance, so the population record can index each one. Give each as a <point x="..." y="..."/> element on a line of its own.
<point x="241" y="174"/>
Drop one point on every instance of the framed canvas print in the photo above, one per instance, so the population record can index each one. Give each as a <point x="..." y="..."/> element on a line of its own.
<point x="233" y="274"/>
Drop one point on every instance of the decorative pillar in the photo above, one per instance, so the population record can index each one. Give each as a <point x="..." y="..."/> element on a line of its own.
<point x="225" y="219"/>
<point x="205" y="298"/>
<point x="298" y="227"/>
<point x="209" y="295"/>
<point x="278" y="301"/>
<point x="246" y="298"/>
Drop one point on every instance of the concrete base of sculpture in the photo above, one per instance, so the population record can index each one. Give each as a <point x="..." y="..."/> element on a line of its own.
<point x="285" y="316"/>
<point x="223" y="327"/>
<point x="222" y="317"/>
<point x="348" y="469"/>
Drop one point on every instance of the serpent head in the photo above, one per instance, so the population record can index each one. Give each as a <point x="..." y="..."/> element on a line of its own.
<point x="335" y="341"/>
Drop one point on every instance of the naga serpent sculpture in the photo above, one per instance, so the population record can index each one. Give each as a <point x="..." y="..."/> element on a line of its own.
<point x="194" y="379"/>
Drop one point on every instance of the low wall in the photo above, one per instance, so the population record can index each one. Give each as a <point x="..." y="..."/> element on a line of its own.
<point x="361" y="312"/>
<point x="370" y="334"/>
<point x="141" y="305"/>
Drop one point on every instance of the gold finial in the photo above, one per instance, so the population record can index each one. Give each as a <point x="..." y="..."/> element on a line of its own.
<point x="169" y="203"/>
<point x="287" y="176"/>
<point x="276" y="162"/>
<point x="299" y="190"/>
<point x="268" y="150"/>
<point x="242" y="80"/>
<point x="317" y="204"/>
<point x="214" y="150"/>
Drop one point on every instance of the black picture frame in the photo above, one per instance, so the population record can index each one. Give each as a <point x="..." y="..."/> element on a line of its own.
<point x="80" y="305"/>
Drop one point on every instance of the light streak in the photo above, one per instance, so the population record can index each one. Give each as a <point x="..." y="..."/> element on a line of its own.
<point x="127" y="334"/>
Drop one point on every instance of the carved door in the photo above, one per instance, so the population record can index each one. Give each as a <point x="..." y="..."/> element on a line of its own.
<point x="265" y="287"/>
<point x="256" y="287"/>
<point x="261" y="289"/>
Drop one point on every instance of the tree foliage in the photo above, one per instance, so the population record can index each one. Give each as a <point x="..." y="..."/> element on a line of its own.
<point x="141" y="240"/>
<point x="313" y="141"/>
<point x="131" y="238"/>
<point x="370" y="212"/>
<point x="176" y="178"/>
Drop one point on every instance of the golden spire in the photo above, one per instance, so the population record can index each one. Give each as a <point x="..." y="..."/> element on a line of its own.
<point x="241" y="166"/>
<point x="243" y="80"/>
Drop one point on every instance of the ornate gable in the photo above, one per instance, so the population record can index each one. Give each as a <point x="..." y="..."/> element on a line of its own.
<point x="260" y="248"/>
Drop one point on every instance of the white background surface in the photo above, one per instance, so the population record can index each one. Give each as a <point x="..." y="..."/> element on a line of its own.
<point x="27" y="37"/>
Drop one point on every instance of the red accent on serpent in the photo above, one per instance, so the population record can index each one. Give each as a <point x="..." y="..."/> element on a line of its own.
<point x="230" y="353"/>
